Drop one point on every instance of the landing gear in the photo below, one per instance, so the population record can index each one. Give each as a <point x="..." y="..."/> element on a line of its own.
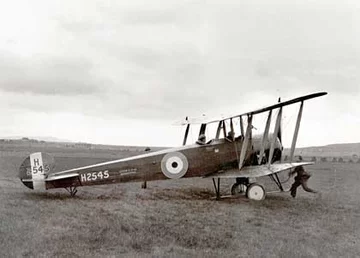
<point x="252" y="191"/>
<point x="72" y="190"/>
<point x="255" y="192"/>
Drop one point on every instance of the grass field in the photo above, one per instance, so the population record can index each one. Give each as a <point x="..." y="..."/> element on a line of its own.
<point x="176" y="218"/>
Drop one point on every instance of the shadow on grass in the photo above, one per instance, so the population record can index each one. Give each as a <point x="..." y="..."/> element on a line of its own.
<point x="180" y="194"/>
<point x="86" y="194"/>
<point x="47" y="196"/>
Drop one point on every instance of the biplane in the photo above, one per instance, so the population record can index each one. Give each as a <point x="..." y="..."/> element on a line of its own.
<point x="230" y="155"/>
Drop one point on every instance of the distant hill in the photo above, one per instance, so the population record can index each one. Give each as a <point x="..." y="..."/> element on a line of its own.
<point x="39" y="138"/>
<point x="24" y="143"/>
<point x="346" y="150"/>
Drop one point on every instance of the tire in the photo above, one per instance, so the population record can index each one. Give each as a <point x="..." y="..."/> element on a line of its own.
<point x="255" y="192"/>
<point x="237" y="189"/>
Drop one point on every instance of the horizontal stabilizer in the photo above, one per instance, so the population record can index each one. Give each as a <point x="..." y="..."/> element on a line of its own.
<point x="55" y="177"/>
<point x="258" y="171"/>
<point x="61" y="176"/>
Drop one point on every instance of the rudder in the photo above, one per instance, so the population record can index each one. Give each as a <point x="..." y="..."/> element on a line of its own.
<point x="34" y="170"/>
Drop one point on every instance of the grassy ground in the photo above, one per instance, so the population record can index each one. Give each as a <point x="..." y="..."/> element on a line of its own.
<point x="177" y="218"/>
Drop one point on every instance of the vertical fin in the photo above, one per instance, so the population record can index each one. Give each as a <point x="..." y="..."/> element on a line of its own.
<point x="245" y="144"/>
<point x="265" y="136"/>
<point x="273" y="140"/>
<point x="293" y="144"/>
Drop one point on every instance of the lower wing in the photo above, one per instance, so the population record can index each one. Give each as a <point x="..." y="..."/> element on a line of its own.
<point x="257" y="171"/>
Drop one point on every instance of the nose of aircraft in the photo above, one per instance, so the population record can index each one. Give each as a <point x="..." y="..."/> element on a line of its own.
<point x="257" y="145"/>
<point x="257" y="142"/>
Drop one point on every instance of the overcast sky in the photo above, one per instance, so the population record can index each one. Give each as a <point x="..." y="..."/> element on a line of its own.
<point x="122" y="72"/>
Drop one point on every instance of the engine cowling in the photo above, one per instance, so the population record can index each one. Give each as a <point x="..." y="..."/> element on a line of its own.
<point x="257" y="142"/>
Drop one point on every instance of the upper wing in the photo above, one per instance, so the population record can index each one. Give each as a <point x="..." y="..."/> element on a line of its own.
<point x="207" y="120"/>
<point x="286" y="103"/>
<point x="280" y="104"/>
<point x="258" y="171"/>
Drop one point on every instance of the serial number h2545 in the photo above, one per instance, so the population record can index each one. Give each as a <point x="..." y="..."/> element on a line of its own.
<point x="95" y="176"/>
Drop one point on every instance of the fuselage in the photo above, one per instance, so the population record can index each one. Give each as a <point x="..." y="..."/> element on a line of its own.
<point x="194" y="160"/>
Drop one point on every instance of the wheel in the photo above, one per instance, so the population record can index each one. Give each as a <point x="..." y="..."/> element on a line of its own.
<point x="255" y="192"/>
<point x="238" y="189"/>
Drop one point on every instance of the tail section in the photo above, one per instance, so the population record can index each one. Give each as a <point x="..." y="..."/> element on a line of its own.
<point x="35" y="169"/>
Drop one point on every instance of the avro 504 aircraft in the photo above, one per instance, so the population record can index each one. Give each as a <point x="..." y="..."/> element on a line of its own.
<point x="243" y="158"/>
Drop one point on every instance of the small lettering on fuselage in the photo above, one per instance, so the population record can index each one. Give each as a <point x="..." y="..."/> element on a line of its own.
<point x="127" y="171"/>
<point x="94" y="176"/>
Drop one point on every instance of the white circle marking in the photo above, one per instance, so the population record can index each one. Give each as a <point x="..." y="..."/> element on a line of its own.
<point x="174" y="165"/>
<point x="172" y="168"/>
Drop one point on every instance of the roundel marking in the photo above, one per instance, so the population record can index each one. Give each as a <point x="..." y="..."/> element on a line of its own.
<point x="174" y="165"/>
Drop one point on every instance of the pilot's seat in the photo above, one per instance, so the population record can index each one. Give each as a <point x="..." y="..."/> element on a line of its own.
<point x="201" y="140"/>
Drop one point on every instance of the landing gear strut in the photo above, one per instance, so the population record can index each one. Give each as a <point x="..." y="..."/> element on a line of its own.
<point x="217" y="188"/>
<point x="276" y="180"/>
<point x="72" y="190"/>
